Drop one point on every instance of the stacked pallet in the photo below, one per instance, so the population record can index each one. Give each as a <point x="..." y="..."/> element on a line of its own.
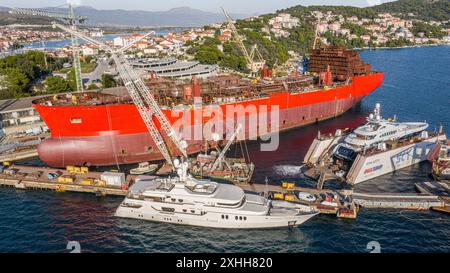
<point x="343" y="63"/>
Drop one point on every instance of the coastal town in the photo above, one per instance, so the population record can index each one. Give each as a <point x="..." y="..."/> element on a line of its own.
<point x="373" y="32"/>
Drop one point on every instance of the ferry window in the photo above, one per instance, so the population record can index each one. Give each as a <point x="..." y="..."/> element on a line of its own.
<point x="192" y="211"/>
<point x="245" y="218"/>
<point x="184" y="210"/>
<point x="226" y="217"/>
<point x="223" y="217"/>
<point x="76" y="120"/>
<point x="173" y="199"/>
<point x="180" y="200"/>
<point x="240" y="218"/>
<point x="235" y="218"/>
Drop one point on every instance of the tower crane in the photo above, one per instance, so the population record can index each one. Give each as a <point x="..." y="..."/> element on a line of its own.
<point x="316" y="33"/>
<point x="253" y="65"/>
<point x="72" y="19"/>
<point x="141" y="96"/>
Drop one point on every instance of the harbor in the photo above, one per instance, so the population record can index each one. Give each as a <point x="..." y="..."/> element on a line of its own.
<point x="79" y="208"/>
<point x="343" y="203"/>
<point x="116" y="173"/>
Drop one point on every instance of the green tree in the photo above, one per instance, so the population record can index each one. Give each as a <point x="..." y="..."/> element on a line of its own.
<point x="92" y="86"/>
<point x="108" y="81"/>
<point x="13" y="82"/>
<point x="56" y="85"/>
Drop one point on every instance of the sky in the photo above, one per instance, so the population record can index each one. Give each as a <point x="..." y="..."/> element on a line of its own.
<point x="235" y="6"/>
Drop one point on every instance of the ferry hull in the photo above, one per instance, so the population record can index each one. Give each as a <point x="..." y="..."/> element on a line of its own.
<point x="105" y="136"/>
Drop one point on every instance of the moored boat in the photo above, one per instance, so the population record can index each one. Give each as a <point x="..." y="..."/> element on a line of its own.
<point x="145" y="168"/>
<point x="189" y="201"/>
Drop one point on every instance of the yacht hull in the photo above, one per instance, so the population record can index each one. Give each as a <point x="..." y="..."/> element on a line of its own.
<point x="366" y="167"/>
<point x="212" y="219"/>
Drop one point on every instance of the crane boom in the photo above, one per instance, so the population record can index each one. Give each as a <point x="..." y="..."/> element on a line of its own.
<point x="225" y="149"/>
<point x="43" y="13"/>
<point x="249" y="57"/>
<point x="141" y="96"/>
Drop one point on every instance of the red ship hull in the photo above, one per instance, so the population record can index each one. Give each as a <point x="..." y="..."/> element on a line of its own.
<point x="115" y="134"/>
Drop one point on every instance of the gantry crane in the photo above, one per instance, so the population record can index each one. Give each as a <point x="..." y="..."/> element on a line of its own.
<point x="72" y="20"/>
<point x="253" y="65"/>
<point x="140" y="94"/>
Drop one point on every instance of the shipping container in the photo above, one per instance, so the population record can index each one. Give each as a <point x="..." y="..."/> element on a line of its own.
<point x="113" y="179"/>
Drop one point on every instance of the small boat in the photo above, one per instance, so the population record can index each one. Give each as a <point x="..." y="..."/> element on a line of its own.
<point x="145" y="168"/>
<point x="304" y="196"/>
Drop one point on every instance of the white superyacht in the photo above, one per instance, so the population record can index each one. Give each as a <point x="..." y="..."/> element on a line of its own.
<point x="378" y="147"/>
<point x="189" y="201"/>
<point x="375" y="131"/>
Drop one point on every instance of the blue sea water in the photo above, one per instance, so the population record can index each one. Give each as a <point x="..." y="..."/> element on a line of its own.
<point x="107" y="37"/>
<point x="416" y="87"/>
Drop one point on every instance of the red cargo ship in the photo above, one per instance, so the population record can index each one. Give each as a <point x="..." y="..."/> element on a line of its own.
<point x="100" y="129"/>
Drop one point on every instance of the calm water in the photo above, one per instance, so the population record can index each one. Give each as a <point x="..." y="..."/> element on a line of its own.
<point x="416" y="87"/>
<point x="62" y="43"/>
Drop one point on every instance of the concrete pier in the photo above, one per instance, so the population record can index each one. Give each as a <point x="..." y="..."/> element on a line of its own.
<point x="397" y="201"/>
<point x="26" y="177"/>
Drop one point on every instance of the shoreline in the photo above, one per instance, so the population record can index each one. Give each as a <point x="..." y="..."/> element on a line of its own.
<point x="401" y="47"/>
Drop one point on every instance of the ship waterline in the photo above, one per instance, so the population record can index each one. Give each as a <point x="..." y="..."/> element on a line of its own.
<point x="104" y="135"/>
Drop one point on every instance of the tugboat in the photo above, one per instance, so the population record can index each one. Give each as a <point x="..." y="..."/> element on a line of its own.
<point x="378" y="147"/>
<point x="190" y="201"/>
<point x="145" y="168"/>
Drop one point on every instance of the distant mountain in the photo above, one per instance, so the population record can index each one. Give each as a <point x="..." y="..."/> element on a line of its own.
<point x="178" y="17"/>
<point x="10" y="19"/>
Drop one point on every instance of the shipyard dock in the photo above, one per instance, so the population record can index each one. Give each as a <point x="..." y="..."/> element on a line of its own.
<point x="60" y="180"/>
<point x="342" y="203"/>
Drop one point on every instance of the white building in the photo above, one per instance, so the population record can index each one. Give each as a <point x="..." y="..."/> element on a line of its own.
<point x="89" y="50"/>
